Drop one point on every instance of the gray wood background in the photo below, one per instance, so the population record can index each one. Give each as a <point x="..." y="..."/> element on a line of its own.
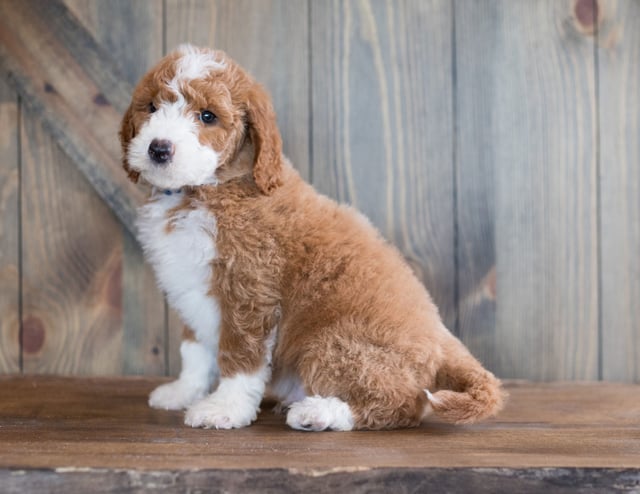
<point x="495" y="142"/>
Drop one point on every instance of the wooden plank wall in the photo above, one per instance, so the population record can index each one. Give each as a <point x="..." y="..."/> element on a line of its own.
<point x="144" y="314"/>
<point x="618" y="58"/>
<point x="495" y="143"/>
<point x="538" y="124"/>
<point x="9" y="230"/>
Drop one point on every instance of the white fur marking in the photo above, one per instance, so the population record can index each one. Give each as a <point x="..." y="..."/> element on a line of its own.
<point x="194" y="64"/>
<point x="431" y="398"/>
<point x="181" y="257"/>
<point x="428" y="409"/>
<point x="198" y="369"/>
<point x="316" y="413"/>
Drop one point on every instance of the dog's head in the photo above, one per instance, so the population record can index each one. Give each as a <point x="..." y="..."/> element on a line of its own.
<point x="190" y="118"/>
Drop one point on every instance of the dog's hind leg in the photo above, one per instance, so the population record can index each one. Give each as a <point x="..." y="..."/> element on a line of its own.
<point x="318" y="413"/>
<point x="357" y="383"/>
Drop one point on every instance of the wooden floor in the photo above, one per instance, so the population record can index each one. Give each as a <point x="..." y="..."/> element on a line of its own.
<point x="68" y="432"/>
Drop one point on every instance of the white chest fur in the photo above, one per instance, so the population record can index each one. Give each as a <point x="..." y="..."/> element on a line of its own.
<point x="180" y="245"/>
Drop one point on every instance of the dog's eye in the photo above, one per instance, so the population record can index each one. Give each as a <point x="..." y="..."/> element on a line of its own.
<point x="152" y="108"/>
<point x="207" y="117"/>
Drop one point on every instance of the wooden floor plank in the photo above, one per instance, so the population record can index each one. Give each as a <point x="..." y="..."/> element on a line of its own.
<point x="48" y="422"/>
<point x="383" y="480"/>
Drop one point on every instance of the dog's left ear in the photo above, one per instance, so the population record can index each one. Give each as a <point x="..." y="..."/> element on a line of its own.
<point x="267" y="143"/>
<point x="127" y="132"/>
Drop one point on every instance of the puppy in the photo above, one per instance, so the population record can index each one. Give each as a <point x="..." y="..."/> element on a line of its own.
<point x="282" y="290"/>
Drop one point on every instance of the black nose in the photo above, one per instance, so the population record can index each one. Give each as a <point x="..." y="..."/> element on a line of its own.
<point x="160" y="151"/>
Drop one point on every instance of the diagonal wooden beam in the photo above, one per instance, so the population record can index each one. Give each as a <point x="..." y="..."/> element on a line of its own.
<point x="65" y="78"/>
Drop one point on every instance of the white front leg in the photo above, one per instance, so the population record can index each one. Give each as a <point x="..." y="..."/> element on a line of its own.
<point x="199" y="370"/>
<point x="234" y="404"/>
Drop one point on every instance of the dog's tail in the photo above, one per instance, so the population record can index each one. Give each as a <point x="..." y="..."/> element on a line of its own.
<point x="466" y="392"/>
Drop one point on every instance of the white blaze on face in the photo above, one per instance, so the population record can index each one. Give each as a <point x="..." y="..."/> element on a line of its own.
<point x="193" y="64"/>
<point x="191" y="163"/>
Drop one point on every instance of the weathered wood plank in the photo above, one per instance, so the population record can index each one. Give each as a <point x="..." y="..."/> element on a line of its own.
<point x="476" y="33"/>
<point x="619" y="104"/>
<point x="268" y="38"/>
<point x="379" y="480"/>
<point x="538" y="91"/>
<point x="80" y="97"/>
<point x="134" y="37"/>
<point x="144" y="343"/>
<point x="9" y="231"/>
<point x="106" y="423"/>
<point x="71" y="265"/>
<point x="383" y="125"/>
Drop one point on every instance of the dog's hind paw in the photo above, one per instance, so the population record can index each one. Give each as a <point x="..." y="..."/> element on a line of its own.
<point x="316" y="413"/>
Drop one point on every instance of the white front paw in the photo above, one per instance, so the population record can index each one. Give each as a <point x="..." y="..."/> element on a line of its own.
<point x="217" y="412"/>
<point x="176" y="395"/>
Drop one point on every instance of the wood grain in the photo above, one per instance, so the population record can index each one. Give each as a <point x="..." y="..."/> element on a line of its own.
<point x="80" y="97"/>
<point x="543" y="147"/>
<point x="619" y="101"/>
<point x="9" y="231"/>
<point x="383" y="125"/>
<point x="476" y="33"/>
<point x="106" y="423"/>
<point x="72" y="265"/>
<point x="365" y="481"/>
<point x="133" y="37"/>
<point x="269" y="39"/>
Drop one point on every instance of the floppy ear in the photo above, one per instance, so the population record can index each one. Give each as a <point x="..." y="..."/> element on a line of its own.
<point x="128" y="132"/>
<point x="263" y="130"/>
